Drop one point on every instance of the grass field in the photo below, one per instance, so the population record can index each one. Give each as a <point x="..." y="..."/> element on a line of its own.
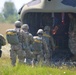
<point x="7" y="69"/>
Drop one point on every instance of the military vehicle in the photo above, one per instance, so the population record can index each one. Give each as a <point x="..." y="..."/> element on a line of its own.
<point x="39" y="13"/>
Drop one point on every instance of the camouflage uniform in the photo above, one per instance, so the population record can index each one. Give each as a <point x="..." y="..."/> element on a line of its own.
<point x="16" y="50"/>
<point x="49" y="40"/>
<point x="27" y="40"/>
<point x="72" y="35"/>
<point x="2" y="43"/>
<point x="40" y="48"/>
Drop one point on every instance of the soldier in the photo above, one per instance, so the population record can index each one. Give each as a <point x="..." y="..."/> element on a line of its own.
<point x="27" y="40"/>
<point x="2" y="43"/>
<point x="49" y="40"/>
<point x="40" y="48"/>
<point x="16" y="49"/>
<point x="72" y="35"/>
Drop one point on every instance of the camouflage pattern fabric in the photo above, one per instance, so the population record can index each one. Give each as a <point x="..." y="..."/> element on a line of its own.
<point x="2" y="43"/>
<point x="72" y="36"/>
<point x="49" y="40"/>
<point x="2" y="40"/>
<point x="26" y="39"/>
<point x="50" y="43"/>
<point x="16" y="50"/>
<point x="39" y="49"/>
<point x="72" y="44"/>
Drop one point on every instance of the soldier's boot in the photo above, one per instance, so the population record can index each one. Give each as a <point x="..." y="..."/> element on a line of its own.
<point x="73" y="58"/>
<point x="13" y="63"/>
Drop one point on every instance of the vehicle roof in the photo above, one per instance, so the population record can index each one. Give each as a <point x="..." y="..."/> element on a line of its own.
<point x="50" y="6"/>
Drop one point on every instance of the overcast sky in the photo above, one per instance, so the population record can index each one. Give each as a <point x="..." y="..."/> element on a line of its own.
<point x="18" y="3"/>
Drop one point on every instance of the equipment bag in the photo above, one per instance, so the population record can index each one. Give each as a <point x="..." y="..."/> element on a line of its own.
<point x="37" y="45"/>
<point x="12" y="36"/>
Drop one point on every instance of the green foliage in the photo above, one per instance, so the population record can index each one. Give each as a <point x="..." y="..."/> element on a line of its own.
<point x="11" y="19"/>
<point x="21" y="69"/>
<point x="9" y="13"/>
<point x="9" y="9"/>
<point x="1" y="18"/>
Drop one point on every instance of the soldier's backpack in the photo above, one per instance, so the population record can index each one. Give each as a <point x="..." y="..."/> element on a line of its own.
<point x="2" y="40"/>
<point x="37" y="45"/>
<point x="12" y="37"/>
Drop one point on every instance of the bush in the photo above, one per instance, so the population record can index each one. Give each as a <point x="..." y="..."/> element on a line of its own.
<point x="1" y="18"/>
<point x="11" y="19"/>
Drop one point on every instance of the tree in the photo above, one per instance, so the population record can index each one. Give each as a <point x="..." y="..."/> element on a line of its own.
<point x="9" y="9"/>
<point x="1" y="18"/>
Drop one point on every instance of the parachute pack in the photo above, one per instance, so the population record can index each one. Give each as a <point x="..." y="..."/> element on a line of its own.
<point x="12" y="37"/>
<point x="37" y="45"/>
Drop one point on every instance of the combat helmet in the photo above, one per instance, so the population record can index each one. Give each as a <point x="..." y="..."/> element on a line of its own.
<point x="40" y="31"/>
<point x="25" y="26"/>
<point x="18" y="24"/>
<point x="46" y="28"/>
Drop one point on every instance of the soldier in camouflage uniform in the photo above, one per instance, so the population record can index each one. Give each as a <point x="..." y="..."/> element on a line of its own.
<point x="49" y="40"/>
<point x="16" y="50"/>
<point x="40" y="48"/>
<point x="27" y="40"/>
<point x="2" y="43"/>
<point x="72" y="35"/>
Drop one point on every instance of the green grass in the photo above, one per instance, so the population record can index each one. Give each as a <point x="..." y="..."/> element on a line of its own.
<point x="7" y="69"/>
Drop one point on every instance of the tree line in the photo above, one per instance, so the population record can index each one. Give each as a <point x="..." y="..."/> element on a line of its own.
<point x="8" y="13"/>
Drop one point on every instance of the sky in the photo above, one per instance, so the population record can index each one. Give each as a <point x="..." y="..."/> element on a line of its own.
<point x="18" y="3"/>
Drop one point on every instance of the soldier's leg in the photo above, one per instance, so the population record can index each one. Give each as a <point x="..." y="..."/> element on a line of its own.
<point x="40" y="59"/>
<point x="73" y="58"/>
<point x="35" y="60"/>
<point x="29" y="57"/>
<point x="47" y="59"/>
<point x="21" y="56"/>
<point x="13" y="57"/>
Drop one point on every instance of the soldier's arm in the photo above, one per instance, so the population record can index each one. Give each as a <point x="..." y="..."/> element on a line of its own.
<point x="31" y="39"/>
<point x="46" y="50"/>
<point x="52" y="42"/>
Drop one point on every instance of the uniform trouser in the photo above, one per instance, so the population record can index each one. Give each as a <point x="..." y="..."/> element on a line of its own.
<point x="47" y="59"/>
<point x="14" y="54"/>
<point x="16" y="50"/>
<point x="28" y="56"/>
<point x="38" y="58"/>
<point x="72" y="44"/>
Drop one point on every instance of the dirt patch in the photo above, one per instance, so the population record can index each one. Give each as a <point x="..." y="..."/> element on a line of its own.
<point x="4" y="27"/>
<point x="6" y="51"/>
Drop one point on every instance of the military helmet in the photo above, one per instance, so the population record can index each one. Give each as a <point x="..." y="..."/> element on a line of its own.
<point x="18" y="24"/>
<point x="40" y="31"/>
<point x="46" y="28"/>
<point x="25" y="26"/>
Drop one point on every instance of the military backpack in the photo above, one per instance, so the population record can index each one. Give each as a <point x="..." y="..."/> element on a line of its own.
<point x="12" y="37"/>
